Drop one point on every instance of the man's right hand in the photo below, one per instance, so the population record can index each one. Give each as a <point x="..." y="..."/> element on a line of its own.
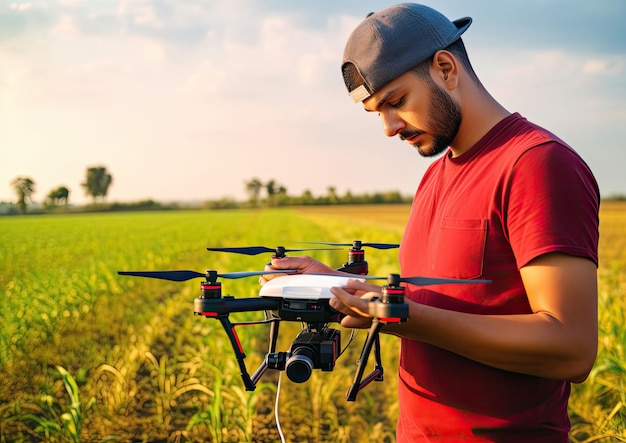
<point x="302" y="264"/>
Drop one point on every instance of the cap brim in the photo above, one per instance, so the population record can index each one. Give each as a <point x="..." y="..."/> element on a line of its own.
<point x="463" y="23"/>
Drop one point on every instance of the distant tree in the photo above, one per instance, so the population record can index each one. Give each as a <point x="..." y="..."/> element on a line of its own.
<point x="253" y="188"/>
<point x="348" y="197"/>
<point x="59" y="196"/>
<point x="332" y="195"/>
<point x="280" y="196"/>
<point x="270" y="187"/>
<point x="276" y="193"/>
<point x="307" y="197"/>
<point x="24" y="187"/>
<point x="97" y="182"/>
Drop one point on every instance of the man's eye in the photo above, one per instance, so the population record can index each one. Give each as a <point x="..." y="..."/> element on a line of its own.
<point x="397" y="104"/>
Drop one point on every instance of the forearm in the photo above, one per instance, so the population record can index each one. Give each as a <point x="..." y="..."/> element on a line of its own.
<point x="535" y="344"/>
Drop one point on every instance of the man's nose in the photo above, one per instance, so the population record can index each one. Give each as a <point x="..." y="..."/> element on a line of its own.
<point x="392" y="124"/>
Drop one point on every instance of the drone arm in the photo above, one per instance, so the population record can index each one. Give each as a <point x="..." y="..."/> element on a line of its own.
<point x="214" y="307"/>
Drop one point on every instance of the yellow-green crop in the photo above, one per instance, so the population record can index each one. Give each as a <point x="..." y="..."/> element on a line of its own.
<point x="88" y="355"/>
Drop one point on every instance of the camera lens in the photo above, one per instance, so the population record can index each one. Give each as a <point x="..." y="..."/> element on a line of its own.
<point x="299" y="366"/>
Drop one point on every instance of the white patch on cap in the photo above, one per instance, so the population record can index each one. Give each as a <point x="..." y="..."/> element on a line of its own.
<point x="359" y="94"/>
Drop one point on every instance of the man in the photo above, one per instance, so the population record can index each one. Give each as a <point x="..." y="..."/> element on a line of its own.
<point x="508" y="202"/>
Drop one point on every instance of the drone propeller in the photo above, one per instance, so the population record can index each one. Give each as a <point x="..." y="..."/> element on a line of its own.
<point x="255" y="250"/>
<point x="188" y="275"/>
<point x="357" y="244"/>
<point x="395" y="280"/>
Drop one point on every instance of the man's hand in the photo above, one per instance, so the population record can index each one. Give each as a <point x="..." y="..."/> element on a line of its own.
<point x="303" y="264"/>
<point x="353" y="301"/>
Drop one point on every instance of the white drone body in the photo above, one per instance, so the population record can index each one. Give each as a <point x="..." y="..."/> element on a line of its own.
<point x="304" y="286"/>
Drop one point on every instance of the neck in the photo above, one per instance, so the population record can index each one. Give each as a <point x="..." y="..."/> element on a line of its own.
<point x="481" y="112"/>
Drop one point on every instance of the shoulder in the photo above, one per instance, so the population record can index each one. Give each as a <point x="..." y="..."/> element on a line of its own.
<point x="519" y="143"/>
<point x="519" y="135"/>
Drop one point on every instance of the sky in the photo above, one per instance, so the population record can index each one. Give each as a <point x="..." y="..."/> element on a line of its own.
<point x="189" y="100"/>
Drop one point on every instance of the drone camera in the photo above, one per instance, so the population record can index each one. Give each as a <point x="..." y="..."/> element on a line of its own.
<point x="310" y="350"/>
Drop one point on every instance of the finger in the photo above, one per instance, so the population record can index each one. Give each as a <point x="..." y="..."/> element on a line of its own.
<point x="360" y="285"/>
<point x="356" y="322"/>
<point x="288" y="262"/>
<point x="267" y="277"/>
<point x="351" y="319"/>
<point x="353" y="303"/>
<point x="364" y="292"/>
<point x="339" y="306"/>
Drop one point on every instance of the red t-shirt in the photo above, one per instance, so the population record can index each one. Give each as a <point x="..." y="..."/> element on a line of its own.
<point x="520" y="192"/>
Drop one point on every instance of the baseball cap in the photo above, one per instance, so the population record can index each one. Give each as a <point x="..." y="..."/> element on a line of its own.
<point x="390" y="42"/>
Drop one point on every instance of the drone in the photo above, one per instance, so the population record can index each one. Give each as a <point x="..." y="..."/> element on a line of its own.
<point x="304" y="298"/>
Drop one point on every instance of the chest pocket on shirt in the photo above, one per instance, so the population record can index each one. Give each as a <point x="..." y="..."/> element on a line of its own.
<point x="460" y="248"/>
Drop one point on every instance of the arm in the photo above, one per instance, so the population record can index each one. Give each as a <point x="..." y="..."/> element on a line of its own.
<point x="558" y="340"/>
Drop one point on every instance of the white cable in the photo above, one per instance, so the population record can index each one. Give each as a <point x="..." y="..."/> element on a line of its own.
<point x="280" y="431"/>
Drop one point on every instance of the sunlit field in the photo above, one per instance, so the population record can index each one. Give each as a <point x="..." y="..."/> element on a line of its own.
<point x="88" y="355"/>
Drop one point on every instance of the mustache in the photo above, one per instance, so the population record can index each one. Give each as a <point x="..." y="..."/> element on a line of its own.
<point x="408" y="133"/>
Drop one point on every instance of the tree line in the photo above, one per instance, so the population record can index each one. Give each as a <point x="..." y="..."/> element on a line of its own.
<point x="96" y="184"/>
<point x="272" y="193"/>
<point x="98" y="180"/>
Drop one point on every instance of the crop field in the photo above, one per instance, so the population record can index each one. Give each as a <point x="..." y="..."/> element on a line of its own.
<point x="87" y="355"/>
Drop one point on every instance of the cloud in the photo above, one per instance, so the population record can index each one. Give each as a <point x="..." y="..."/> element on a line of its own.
<point x="66" y="27"/>
<point x="608" y="66"/>
<point x="20" y="6"/>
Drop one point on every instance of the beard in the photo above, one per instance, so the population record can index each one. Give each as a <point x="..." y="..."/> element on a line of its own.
<point x="445" y="120"/>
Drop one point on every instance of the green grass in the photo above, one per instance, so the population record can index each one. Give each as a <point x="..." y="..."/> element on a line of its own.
<point x="154" y="370"/>
<point x="87" y="355"/>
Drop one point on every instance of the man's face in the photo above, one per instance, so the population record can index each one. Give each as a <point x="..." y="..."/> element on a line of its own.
<point x="418" y="111"/>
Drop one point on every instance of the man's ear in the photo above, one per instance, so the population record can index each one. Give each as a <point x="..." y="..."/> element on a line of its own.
<point x="446" y="69"/>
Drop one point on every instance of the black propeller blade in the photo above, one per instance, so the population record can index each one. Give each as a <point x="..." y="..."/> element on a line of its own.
<point x="395" y="279"/>
<point x="357" y="244"/>
<point x="255" y="250"/>
<point x="188" y="275"/>
<point x="426" y="281"/>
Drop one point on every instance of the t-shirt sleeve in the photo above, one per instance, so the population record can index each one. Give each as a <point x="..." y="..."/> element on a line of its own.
<point x="553" y="204"/>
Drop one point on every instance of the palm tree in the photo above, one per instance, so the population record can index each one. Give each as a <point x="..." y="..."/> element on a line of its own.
<point x="24" y="187"/>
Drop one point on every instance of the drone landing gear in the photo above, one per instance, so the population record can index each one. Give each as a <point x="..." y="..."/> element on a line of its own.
<point x="316" y="347"/>
<point x="373" y="338"/>
<point x="389" y="309"/>
<point x="312" y="349"/>
<point x="249" y="382"/>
